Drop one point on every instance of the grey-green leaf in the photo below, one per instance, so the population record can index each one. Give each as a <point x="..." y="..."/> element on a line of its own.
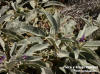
<point x="13" y="49"/>
<point x="31" y="40"/>
<point x="2" y="43"/>
<point x="53" y="3"/>
<point x="54" y="24"/>
<point x="37" y="47"/>
<point x="92" y="43"/>
<point x="21" y="50"/>
<point x="3" y="9"/>
<point x="34" y="30"/>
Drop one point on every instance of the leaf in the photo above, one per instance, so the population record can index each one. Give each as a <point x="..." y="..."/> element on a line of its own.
<point x="76" y="53"/>
<point x="63" y="53"/>
<point x="86" y="31"/>
<point x="89" y="30"/>
<point x="33" y="3"/>
<point x="21" y="50"/>
<point x="2" y="43"/>
<point x="34" y="30"/>
<point x="37" y="47"/>
<point x="84" y="63"/>
<point x="81" y="33"/>
<point x="13" y="5"/>
<point x="2" y="19"/>
<point x="53" y="3"/>
<point x="94" y="62"/>
<point x="92" y="44"/>
<point x="13" y="49"/>
<point x="62" y="69"/>
<point x="31" y="40"/>
<point x="31" y="16"/>
<point x="3" y="9"/>
<point x="69" y="27"/>
<point x="45" y="0"/>
<point x="98" y="18"/>
<point x="46" y="70"/>
<point x="91" y="52"/>
<point x="18" y="1"/>
<point x="12" y="34"/>
<point x="30" y="58"/>
<point x="57" y="17"/>
<point x="54" y="24"/>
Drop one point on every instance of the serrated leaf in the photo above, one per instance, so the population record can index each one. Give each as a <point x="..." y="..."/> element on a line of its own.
<point x="37" y="47"/>
<point x="34" y="30"/>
